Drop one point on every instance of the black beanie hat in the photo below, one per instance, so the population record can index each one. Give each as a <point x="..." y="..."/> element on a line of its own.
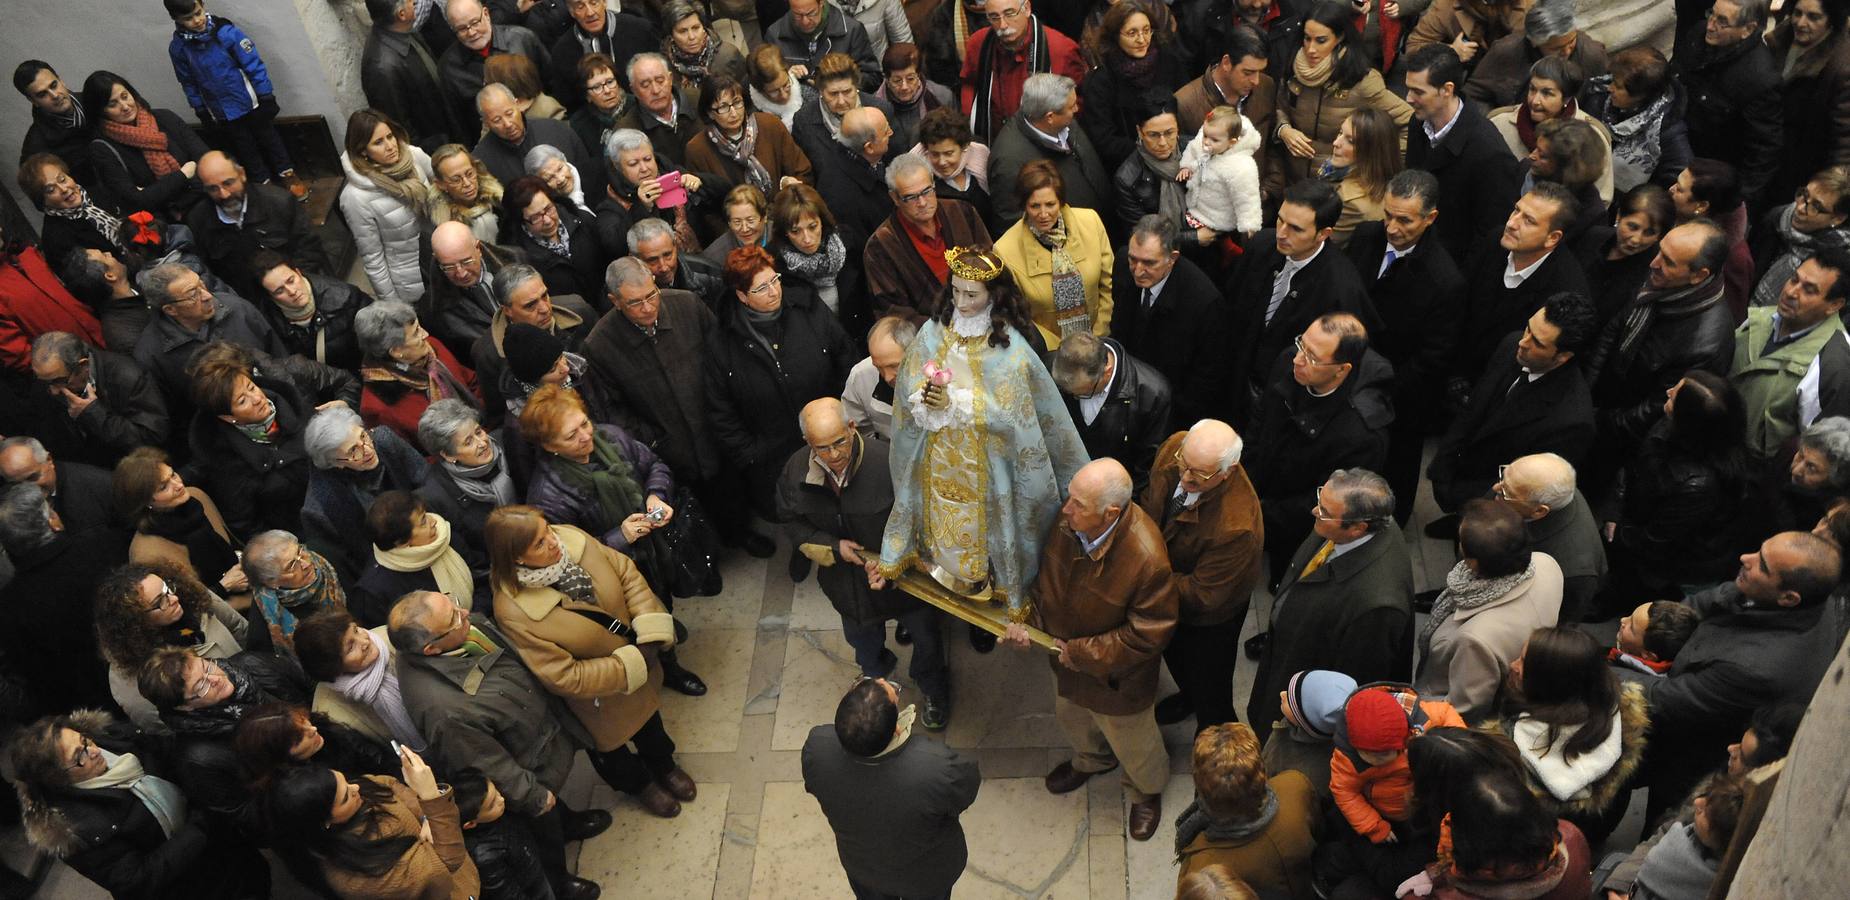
<point x="531" y="352"/>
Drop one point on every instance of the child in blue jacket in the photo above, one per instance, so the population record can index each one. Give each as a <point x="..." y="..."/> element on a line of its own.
<point x="226" y="83"/>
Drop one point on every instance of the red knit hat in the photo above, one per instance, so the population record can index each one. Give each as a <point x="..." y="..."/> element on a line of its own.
<point x="1376" y="721"/>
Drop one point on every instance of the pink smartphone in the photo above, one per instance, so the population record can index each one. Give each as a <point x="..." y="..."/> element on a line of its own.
<point x="673" y="194"/>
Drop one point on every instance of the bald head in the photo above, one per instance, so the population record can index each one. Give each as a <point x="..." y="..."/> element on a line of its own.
<point x="1209" y="450"/>
<point x="1538" y="484"/>
<point x="223" y="180"/>
<point x="828" y="432"/>
<point x="452" y="240"/>
<point x="864" y="130"/>
<point x="1102" y="484"/>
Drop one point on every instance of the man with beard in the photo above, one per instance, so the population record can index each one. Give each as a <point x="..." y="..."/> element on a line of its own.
<point x="244" y="218"/>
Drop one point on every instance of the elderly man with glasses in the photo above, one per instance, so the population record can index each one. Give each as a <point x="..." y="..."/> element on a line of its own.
<point x="1734" y="89"/>
<point x="1541" y="489"/>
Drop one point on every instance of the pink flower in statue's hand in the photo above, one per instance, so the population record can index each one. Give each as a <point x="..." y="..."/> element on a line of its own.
<point x="937" y="374"/>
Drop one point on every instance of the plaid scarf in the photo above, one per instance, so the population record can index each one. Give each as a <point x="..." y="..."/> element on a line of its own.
<point x="1069" y="289"/>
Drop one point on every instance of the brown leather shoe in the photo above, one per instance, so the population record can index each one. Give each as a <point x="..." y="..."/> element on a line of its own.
<point x="1144" y="816"/>
<point x="1065" y="779"/>
<point x="658" y="802"/>
<point x="680" y="784"/>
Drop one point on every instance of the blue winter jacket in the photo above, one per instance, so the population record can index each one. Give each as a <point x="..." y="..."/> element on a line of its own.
<point x="220" y="70"/>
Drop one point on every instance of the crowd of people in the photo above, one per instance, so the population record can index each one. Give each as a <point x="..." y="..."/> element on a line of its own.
<point x="1027" y="303"/>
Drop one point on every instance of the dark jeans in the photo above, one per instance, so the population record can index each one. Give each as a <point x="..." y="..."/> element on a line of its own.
<point x="927" y="669"/>
<point x="549" y="843"/>
<point x="631" y="771"/>
<point x="726" y="503"/>
<point x="258" y="146"/>
<point x="1201" y="659"/>
<point x="863" y="892"/>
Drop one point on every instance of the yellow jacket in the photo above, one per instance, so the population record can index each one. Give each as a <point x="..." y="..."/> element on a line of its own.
<point x="1032" y="266"/>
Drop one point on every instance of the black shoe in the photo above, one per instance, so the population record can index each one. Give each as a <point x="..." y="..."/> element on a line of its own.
<point x="1172" y="709"/>
<point x="1422" y="601"/>
<point x="757" y="545"/>
<point x="799" y="566"/>
<point x="1444" y="528"/>
<point x="937" y="713"/>
<point x="901" y="634"/>
<point x="576" y="888"/>
<point x="681" y="680"/>
<point x="1255" y="645"/>
<point x="580" y="824"/>
<point x="981" y="641"/>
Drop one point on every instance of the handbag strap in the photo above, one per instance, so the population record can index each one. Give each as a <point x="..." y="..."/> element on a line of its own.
<point x="607" y="622"/>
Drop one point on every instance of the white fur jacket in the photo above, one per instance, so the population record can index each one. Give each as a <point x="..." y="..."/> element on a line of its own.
<point x="1223" y="192"/>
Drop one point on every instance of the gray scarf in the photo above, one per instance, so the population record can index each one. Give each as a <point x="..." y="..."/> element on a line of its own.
<point x="486" y="483"/>
<point x="1464" y="591"/>
<point x="1635" y="321"/>
<point x="1636" y="138"/>
<point x="820" y="268"/>
<point x="564" y="576"/>
<point x="1195" y="821"/>
<point x="162" y="797"/>
<point x="1171" y="196"/>
<point x="1798" y="247"/>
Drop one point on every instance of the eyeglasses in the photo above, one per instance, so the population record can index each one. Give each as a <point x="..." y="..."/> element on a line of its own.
<point x="203" y="685"/>
<point x="1804" y="202"/>
<point x="928" y="191"/>
<point x="744" y="221"/>
<point x="361" y="447"/>
<point x="464" y="177"/>
<point x="729" y="106"/>
<point x="461" y="265"/>
<point x="765" y="288"/>
<point x="196" y="294"/>
<point x="163" y="598"/>
<point x="1190" y="472"/>
<point x="86" y="748"/>
<point x="1501" y="488"/>
<point x="1137" y="33"/>
<point x="1297" y="343"/>
<point x="601" y="85"/>
<point x="650" y="299"/>
<point x="472" y="24"/>
<point x="835" y="447"/>
<point x="1317" y="513"/>
<point x="1007" y="15"/>
<point x="299" y="563"/>
<point x="540" y="215"/>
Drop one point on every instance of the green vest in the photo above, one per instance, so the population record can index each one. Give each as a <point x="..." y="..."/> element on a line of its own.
<point x="1769" y="383"/>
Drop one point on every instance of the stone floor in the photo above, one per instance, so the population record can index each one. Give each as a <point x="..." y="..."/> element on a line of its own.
<point x="775" y="662"/>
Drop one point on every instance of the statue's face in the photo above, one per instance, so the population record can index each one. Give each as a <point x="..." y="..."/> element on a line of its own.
<point x="969" y="297"/>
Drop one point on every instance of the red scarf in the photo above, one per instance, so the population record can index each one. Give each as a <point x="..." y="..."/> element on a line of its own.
<point x="1390" y="32"/>
<point x="1525" y="124"/>
<point x="147" y="137"/>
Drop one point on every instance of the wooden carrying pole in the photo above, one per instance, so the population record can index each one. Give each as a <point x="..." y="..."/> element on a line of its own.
<point x="990" y="617"/>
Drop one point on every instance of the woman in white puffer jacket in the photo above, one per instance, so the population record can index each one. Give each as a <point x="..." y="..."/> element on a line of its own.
<point x="386" y="203"/>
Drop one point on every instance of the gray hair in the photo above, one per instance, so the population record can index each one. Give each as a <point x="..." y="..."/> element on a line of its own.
<point x="540" y="155"/>
<point x="1155" y="225"/>
<point x="1557" y="492"/>
<point x="450" y="6"/>
<point x="511" y="277"/>
<point x="675" y="10"/>
<point x="1042" y="94"/>
<point x="267" y="554"/>
<point x="1831" y="437"/>
<point x="25" y="518"/>
<point x="627" y="270"/>
<point x="491" y="89"/>
<point x="1416" y="184"/>
<point x="1080" y="361"/>
<point x="647" y="230"/>
<point x="898" y="329"/>
<point x="1752" y="11"/>
<point x="443" y="423"/>
<point x="622" y="141"/>
<point x="1231" y="457"/>
<point x="846" y="422"/>
<point x="155" y="283"/>
<point x="1366" y="497"/>
<point x="39" y="453"/>
<point x="380" y="327"/>
<point x="1548" y="20"/>
<point x="327" y="430"/>
<point x="906" y="164"/>
<point x="629" y="71"/>
<point x="63" y="346"/>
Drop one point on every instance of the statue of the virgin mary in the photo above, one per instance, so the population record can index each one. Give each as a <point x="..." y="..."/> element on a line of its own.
<point x="983" y="446"/>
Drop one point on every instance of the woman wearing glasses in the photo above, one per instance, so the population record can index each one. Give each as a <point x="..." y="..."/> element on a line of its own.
<point x="743" y="145"/>
<point x="607" y="106"/>
<point x="142" y="608"/>
<point x="353" y="466"/>
<point x="463" y="191"/>
<point x="560" y="240"/>
<point x="94" y="794"/>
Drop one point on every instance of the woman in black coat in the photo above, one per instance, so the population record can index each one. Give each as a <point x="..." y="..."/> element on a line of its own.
<point x="92" y="794"/>
<point x="1622" y="261"/>
<point x="1134" y="56"/>
<point x="774" y="350"/>
<point x="563" y="245"/>
<point x="77" y="218"/>
<point x="144" y="157"/>
<point x="415" y="550"/>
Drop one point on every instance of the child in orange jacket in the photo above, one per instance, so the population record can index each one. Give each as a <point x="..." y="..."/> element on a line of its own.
<point x="1369" y="778"/>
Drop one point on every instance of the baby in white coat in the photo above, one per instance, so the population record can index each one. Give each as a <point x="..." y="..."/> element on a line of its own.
<point x="1221" y="174"/>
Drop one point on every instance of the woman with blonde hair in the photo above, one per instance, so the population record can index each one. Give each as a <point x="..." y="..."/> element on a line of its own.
<point x="463" y="191"/>
<point x="386" y="203"/>
<point x="583" y="619"/>
<point x="773" y="88"/>
<point x="1258" y="828"/>
<point x="1364" y="158"/>
<point x="747" y="215"/>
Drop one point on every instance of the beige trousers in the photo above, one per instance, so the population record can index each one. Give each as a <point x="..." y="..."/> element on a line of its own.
<point x="1101" y="742"/>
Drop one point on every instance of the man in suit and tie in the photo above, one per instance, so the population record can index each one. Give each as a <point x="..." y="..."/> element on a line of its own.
<point x="1287" y="282"/>
<point x="1346" y="600"/>
<point x="1532" y="398"/>
<point x="1508" y="282"/>
<point x="1419" y="294"/>
<point x="1458" y="145"/>
<point x="1168" y="313"/>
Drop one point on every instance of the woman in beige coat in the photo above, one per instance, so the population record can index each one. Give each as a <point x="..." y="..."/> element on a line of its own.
<point x="1329" y="80"/>
<point x="585" y="623"/>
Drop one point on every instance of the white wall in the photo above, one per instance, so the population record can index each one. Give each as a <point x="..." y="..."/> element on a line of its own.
<point x="311" y="47"/>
